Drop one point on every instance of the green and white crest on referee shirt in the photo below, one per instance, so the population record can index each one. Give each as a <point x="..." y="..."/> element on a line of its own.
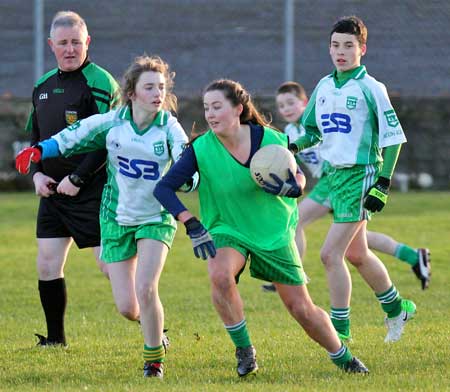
<point x="391" y="118"/>
<point x="158" y="148"/>
<point x="351" y="102"/>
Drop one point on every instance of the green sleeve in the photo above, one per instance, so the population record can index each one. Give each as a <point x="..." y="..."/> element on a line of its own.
<point x="313" y="134"/>
<point x="390" y="157"/>
<point x="104" y="87"/>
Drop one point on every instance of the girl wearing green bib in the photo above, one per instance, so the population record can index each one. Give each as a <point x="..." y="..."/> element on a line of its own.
<point x="245" y="223"/>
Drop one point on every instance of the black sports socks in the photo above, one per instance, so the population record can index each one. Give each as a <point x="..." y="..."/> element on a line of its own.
<point x="54" y="300"/>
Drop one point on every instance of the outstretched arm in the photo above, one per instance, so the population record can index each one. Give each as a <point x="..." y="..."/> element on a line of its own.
<point x="179" y="173"/>
<point x="165" y="193"/>
<point x="43" y="150"/>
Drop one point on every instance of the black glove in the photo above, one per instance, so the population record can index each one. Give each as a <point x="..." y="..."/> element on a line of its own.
<point x="287" y="188"/>
<point x="377" y="195"/>
<point x="201" y="240"/>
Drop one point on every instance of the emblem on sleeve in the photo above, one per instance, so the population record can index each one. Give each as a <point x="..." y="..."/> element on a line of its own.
<point x="391" y="118"/>
<point x="74" y="126"/>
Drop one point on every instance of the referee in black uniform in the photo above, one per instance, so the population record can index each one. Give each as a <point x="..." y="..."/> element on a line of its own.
<point x="70" y="188"/>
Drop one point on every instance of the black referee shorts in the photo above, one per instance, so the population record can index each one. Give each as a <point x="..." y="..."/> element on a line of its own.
<point x="66" y="216"/>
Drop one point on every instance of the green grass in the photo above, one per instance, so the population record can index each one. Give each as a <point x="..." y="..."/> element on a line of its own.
<point x="104" y="351"/>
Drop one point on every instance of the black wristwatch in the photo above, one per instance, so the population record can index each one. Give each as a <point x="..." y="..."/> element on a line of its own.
<point x="76" y="180"/>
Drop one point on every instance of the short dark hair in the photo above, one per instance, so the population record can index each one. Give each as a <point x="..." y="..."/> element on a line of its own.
<point x="293" y="88"/>
<point x="351" y="25"/>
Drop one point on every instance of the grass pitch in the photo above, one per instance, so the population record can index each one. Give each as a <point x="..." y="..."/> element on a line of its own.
<point x="104" y="351"/>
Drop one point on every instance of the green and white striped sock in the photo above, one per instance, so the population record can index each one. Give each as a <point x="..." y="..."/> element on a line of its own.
<point x="341" y="357"/>
<point x="391" y="302"/>
<point x="340" y="317"/>
<point x="239" y="334"/>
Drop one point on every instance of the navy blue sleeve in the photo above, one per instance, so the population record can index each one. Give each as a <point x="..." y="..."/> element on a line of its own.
<point x="179" y="173"/>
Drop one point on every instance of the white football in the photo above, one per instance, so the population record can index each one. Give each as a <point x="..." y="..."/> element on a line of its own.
<point x="272" y="158"/>
<point x="424" y="180"/>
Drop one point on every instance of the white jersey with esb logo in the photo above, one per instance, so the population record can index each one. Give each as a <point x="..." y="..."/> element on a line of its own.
<point x="356" y="119"/>
<point x="137" y="159"/>
<point x="310" y="157"/>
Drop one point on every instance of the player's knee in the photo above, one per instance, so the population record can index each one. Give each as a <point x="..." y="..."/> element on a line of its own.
<point x="146" y="293"/>
<point x="301" y="310"/>
<point x="130" y="315"/>
<point x="221" y="280"/>
<point x="326" y="256"/>
<point x="128" y="310"/>
<point x="49" y="269"/>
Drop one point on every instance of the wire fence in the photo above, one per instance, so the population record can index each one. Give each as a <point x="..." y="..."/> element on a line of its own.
<point x="245" y="40"/>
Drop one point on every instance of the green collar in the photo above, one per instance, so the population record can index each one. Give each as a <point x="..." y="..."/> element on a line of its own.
<point x="340" y="78"/>
<point x="160" y="119"/>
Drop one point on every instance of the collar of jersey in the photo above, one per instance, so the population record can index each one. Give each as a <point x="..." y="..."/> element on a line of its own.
<point x="344" y="77"/>
<point x="160" y="119"/>
<point x="86" y="62"/>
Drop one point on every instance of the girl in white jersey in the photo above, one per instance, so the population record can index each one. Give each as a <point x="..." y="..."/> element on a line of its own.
<point x="351" y="115"/>
<point x="142" y="139"/>
<point x="291" y="102"/>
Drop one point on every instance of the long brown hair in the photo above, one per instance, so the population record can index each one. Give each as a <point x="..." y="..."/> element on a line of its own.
<point x="143" y="64"/>
<point x="236" y="94"/>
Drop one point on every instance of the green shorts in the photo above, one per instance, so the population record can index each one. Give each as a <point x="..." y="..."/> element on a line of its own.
<point x="348" y="187"/>
<point x="321" y="192"/>
<point x="281" y="265"/>
<point x="119" y="242"/>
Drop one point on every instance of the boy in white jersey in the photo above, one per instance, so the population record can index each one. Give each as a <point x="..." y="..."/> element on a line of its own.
<point x="142" y="140"/>
<point x="351" y="115"/>
<point x="291" y="103"/>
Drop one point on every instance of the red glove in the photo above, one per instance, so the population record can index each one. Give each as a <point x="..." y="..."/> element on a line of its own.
<point x="25" y="157"/>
